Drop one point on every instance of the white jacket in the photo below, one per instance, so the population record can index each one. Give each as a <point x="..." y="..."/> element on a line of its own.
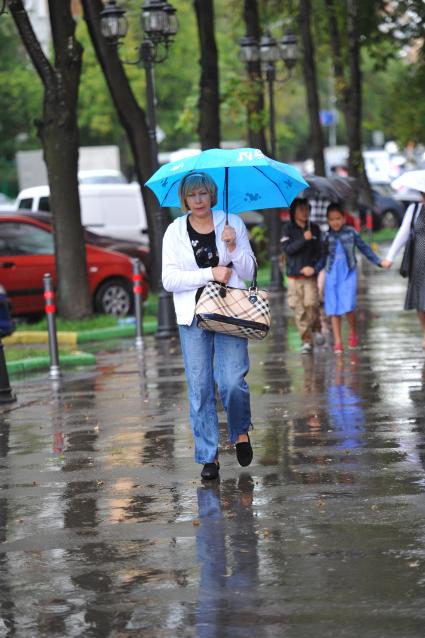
<point x="403" y="233"/>
<point x="181" y="274"/>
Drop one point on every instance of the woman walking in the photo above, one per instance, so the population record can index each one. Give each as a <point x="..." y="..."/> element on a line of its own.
<point x="414" y="219"/>
<point x="197" y="248"/>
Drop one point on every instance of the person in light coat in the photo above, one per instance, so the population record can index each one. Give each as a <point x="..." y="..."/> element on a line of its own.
<point x="413" y="222"/>
<point x="197" y="248"/>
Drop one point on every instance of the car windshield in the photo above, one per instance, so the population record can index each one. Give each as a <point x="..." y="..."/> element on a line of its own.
<point x="18" y="238"/>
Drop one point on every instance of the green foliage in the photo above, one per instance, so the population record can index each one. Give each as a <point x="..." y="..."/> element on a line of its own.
<point x="237" y="94"/>
<point x="258" y="238"/>
<point x="406" y="105"/>
<point x="20" y="103"/>
<point x="392" y="88"/>
<point x="177" y="81"/>
<point x="68" y="325"/>
<point x="97" y="118"/>
<point x="187" y="120"/>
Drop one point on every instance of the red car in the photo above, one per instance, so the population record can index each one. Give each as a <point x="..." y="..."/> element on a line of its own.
<point x="27" y="253"/>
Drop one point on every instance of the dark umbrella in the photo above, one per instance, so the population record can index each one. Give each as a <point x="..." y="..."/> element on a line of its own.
<point x="331" y="188"/>
<point x="346" y="187"/>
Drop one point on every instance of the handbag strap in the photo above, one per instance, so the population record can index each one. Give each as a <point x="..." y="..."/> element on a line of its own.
<point x="254" y="276"/>
<point x="415" y="215"/>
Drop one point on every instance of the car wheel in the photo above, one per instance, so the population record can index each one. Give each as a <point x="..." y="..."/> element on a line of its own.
<point x="389" y="219"/>
<point x="114" y="297"/>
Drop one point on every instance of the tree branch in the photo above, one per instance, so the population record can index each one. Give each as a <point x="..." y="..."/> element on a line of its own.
<point x="67" y="49"/>
<point x="336" y="49"/>
<point x="31" y="43"/>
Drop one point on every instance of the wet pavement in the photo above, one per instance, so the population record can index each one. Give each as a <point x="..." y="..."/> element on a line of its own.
<point x="106" y="529"/>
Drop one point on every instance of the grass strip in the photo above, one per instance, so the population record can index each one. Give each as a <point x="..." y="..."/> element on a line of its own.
<point x="32" y="364"/>
<point x="102" y="334"/>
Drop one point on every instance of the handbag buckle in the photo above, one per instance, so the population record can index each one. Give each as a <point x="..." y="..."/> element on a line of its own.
<point x="222" y="292"/>
<point x="253" y="296"/>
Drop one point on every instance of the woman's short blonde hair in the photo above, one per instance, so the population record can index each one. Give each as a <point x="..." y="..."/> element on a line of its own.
<point x="196" y="180"/>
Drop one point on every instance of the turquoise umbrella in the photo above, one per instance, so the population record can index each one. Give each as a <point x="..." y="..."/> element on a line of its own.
<point x="246" y="179"/>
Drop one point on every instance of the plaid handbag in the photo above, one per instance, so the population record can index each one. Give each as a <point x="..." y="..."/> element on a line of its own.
<point x="235" y="311"/>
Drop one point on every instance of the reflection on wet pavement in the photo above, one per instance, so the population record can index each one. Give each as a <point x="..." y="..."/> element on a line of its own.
<point x="106" y="529"/>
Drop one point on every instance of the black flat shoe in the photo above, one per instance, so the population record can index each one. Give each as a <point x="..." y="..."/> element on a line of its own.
<point x="210" y="471"/>
<point x="244" y="452"/>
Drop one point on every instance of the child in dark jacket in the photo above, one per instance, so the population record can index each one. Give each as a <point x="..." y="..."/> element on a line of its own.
<point x="302" y="245"/>
<point x="341" y="274"/>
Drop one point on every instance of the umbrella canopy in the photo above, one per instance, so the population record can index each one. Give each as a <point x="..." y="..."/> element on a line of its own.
<point x="411" y="179"/>
<point x="246" y="179"/>
<point x="333" y="189"/>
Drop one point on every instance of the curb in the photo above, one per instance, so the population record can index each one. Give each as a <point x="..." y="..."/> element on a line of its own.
<point x="74" y="338"/>
<point x="42" y="362"/>
<point x="30" y="337"/>
<point x="39" y="363"/>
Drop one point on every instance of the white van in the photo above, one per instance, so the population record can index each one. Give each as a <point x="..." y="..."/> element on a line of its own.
<point x="107" y="209"/>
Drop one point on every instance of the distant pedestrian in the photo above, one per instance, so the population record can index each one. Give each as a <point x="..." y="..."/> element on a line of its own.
<point x="302" y="246"/>
<point x="341" y="274"/>
<point x="200" y="247"/>
<point x="415" y="296"/>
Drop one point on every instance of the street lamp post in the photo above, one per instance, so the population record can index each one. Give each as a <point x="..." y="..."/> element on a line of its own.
<point x="268" y="51"/>
<point x="159" y="25"/>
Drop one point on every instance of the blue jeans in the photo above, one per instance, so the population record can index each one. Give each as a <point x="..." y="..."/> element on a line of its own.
<point x="209" y="358"/>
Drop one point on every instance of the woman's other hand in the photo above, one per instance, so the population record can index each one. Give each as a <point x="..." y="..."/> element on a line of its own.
<point x="308" y="235"/>
<point x="221" y="274"/>
<point x="228" y="236"/>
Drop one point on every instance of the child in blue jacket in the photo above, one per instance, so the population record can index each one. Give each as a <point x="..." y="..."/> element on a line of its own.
<point x="341" y="274"/>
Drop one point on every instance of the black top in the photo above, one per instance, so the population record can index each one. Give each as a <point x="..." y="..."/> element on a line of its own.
<point x="204" y="248"/>
<point x="300" y="252"/>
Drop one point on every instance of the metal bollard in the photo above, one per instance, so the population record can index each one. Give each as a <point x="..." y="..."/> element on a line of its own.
<point x="6" y="394"/>
<point x="138" y="302"/>
<point x="50" y="309"/>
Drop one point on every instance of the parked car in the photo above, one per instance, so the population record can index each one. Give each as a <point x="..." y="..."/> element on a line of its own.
<point x="116" y="210"/>
<point x="405" y="196"/>
<point x="27" y="253"/>
<point x="132" y="249"/>
<point x="387" y="211"/>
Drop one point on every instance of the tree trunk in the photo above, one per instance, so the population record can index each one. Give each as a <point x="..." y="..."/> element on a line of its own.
<point x="255" y="106"/>
<point x="58" y="131"/>
<point x="356" y="165"/>
<point x="209" y="99"/>
<point x="309" y="68"/>
<point x="349" y="92"/>
<point x="133" y="120"/>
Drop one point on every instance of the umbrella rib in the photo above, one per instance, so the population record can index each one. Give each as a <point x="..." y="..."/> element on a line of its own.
<point x="273" y="182"/>
<point x="166" y="194"/>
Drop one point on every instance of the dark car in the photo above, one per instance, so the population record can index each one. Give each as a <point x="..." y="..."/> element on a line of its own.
<point x="405" y="196"/>
<point x="27" y="253"/>
<point x="387" y="211"/>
